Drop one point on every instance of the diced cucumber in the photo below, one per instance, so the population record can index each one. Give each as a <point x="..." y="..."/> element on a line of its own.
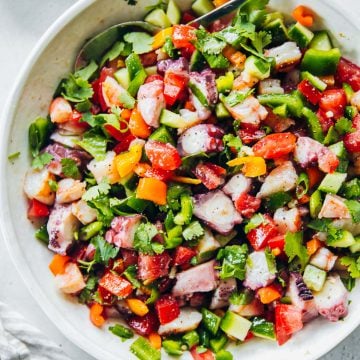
<point x="339" y="150"/>
<point x="172" y="119"/>
<point x="315" y="204"/>
<point x="198" y="92"/>
<point x="173" y="12"/>
<point x="159" y="18"/>
<point x="321" y="41"/>
<point x="225" y="239"/>
<point x="207" y="246"/>
<point x="281" y="110"/>
<point x="197" y="61"/>
<point x="163" y="135"/>
<point x="343" y="239"/>
<point x="235" y="325"/>
<point x="349" y="92"/>
<point x="321" y="62"/>
<point x="351" y="112"/>
<point x="314" y="278"/>
<point x="262" y="328"/>
<point x="278" y="31"/>
<point x="225" y="83"/>
<point x="123" y="78"/>
<point x="314" y="80"/>
<point x="301" y="35"/>
<point x="184" y="216"/>
<point x="354" y="248"/>
<point x="191" y="339"/>
<point x="332" y="182"/>
<point x="202" y="7"/>
<point x="221" y="111"/>
<point x="257" y="67"/>
<point x="151" y="70"/>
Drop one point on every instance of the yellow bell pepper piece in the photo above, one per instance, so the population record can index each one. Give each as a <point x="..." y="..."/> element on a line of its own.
<point x="125" y="162"/>
<point x="137" y="306"/>
<point x="218" y="3"/>
<point x="160" y="38"/>
<point x="186" y="180"/>
<point x="253" y="165"/>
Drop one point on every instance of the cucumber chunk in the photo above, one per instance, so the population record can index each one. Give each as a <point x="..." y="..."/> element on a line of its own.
<point x="321" y="41"/>
<point x="263" y="329"/>
<point x="159" y="18"/>
<point x="332" y="182"/>
<point x="301" y="35"/>
<point x="235" y="325"/>
<point x="314" y="278"/>
<point x="173" y="12"/>
<point x="202" y="7"/>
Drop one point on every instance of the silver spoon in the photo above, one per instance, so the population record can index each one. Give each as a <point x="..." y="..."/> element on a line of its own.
<point x="96" y="46"/>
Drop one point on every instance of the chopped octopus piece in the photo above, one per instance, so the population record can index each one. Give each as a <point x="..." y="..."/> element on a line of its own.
<point x="332" y="300"/>
<point x="202" y="111"/>
<point x="286" y="56"/>
<point x="205" y="82"/>
<point x="66" y="140"/>
<point x="200" y="278"/>
<point x="36" y="186"/>
<point x="178" y="65"/>
<point x="301" y="297"/>
<point x="151" y="102"/>
<point x="222" y="293"/>
<point x="122" y="232"/>
<point x="61" y="227"/>
<point x="69" y="190"/>
<point x="334" y="207"/>
<point x="83" y="212"/>
<point x="323" y="259"/>
<point x="201" y="138"/>
<point x="255" y="308"/>
<point x="189" y="319"/>
<point x="287" y="220"/>
<point x="71" y="281"/>
<point x="309" y="151"/>
<point x="217" y="210"/>
<point x="105" y="168"/>
<point x="282" y="178"/>
<point x="237" y="185"/>
<point x="276" y="122"/>
<point x="152" y="267"/>
<point x="211" y="175"/>
<point x="258" y="273"/>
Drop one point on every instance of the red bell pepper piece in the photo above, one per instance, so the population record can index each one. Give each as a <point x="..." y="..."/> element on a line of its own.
<point x="311" y="93"/>
<point x="325" y="122"/>
<point x="183" y="36"/>
<point x="37" y="209"/>
<point x="175" y="85"/>
<point x="277" y="242"/>
<point x="333" y="100"/>
<point x="116" y="285"/>
<point x="260" y="236"/>
<point x="162" y="156"/>
<point x="183" y="255"/>
<point x="167" y="309"/>
<point x="348" y="72"/>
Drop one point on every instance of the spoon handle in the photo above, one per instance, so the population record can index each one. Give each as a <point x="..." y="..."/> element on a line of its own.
<point x="217" y="13"/>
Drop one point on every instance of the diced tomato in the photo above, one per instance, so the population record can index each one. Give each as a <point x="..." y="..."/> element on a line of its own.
<point x="352" y="142"/>
<point x="249" y="336"/>
<point x="333" y="100"/>
<point x="151" y="267"/>
<point x="117" y="134"/>
<point x="130" y="257"/>
<point x="162" y="156"/>
<point x="325" y="121"/>
<point x="163" y="175"/>
<point x="97" y="87"/>
<point x="187" y="17"/>
<point x="153" y="77"/>
<point x="348" y="72"/>
<point x="277" y="242"/>
<point x="37" y="209"/>
<point x="247" y="205"/>
<point x="249" y="136"/>
<point x="211" y="175"/>
<point x="105" y="295"/>
<point x="144" y="325"/>
<point x="310" y="92"/>
<point x="116" y="285"/>
<point x="288" y="320"/>
<point x="174" y="85"/>
<point x="167" y="309"/>
<point x="260" y="236"/>
<point x="356" y="122"/>
<point x="183" y="36"/>
<point x="124" y="144"/>
<point x="183" y="255"/>
<point x="276" y="145"/>
<point x="207" y="355"/>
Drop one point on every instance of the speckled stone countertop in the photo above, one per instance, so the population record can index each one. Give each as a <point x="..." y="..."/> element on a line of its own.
<point x="22" y="22"/>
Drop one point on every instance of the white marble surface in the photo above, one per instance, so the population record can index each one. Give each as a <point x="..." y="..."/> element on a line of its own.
<point x="22" y="22"/>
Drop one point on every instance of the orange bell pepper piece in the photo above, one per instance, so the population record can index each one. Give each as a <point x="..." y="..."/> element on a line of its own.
<point x="218" y="3"/>
<point x="116" y="284"/>
<point x="96" y="317"/>
<point x="153" y="190"/>
<point x="126" y="114"/>
<point x="160" y="37"/>
<point x="268" y="294"/>
<point x="312" y="246"/>
<point x="125" y="162"/>
<point x="315" y="176"/>
<point x="137" y="126"/>
<point x="303" y="15"/>
<point x="58" y="264"/>
<point x="155" y="340"/>
<point x="253" y="165"/>
<point x="137" y="306"/>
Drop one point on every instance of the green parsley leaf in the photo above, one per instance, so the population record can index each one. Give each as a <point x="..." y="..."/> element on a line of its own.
<point x="103" y="188"/>
<point x="83" y="107"/>
<point x="352" y="264"/>
<point x="69" y="168"/>
<point x="344" y="126"/>
<point x="127" y="100"/>
<point x="41" y="160"/>
<point x="209" y="44"/>
<point x="87" y="72"/>
<point x="261" y="40"/>
<point x="76" y="89"/>
<point x="103" y="250"/>
<point x="236" y="97"/>
<point x="122" y="332"/>
<point x="14" y="156"/>
<point x="113" y="53"/>
<point x="193" y="231"/>
<point x="143" y="236"/>
<point x="141" y="42"/>
<point x="87" y="293"/>
<point x="94" y="144"/>
<point x="105" y="213"/>
<point x="319" y="224"/>
<point x="234" y="261"/>
<point x="351" y="189"/>
<point x="244" y="297"/>
<point x="53" y="185"/>
<point x="354" y="209"/>
<point x="295" y="250"/>
<point x="277" y="200"/>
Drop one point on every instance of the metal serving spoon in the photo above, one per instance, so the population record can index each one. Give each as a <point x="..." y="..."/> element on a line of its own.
<point x="96" y="46"/>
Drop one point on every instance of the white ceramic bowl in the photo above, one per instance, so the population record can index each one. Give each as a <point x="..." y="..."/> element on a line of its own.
<point x="52" y="59"/>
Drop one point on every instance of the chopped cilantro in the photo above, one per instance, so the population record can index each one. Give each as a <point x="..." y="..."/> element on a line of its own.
<point x="69" y="168"/>
<point x="236" y="97"/>
<point x="105" y="213"/>
<point x="87" y="72"/>
<point x="41" y="160"/>
<point x="244" y="297"/>
<point x="113" y="53"/>
<point x="94" y="143"/>
<point x="143" y="237"/>
<point x="131" y="274"/>
<point x="193" y="231"/>
<point x="127" y="100"/>
<point x="76" y="89"/>
<point x="169" y="48"/>
<point x="13" y="156"/>
<point x="351" y="189"/>
<point x="295" y="250"/>
<point x="353" y="265"/>
<point x="319" y="224"/>
<point x="208" y="43"/>
<point x="354" y="209"/>
<point x="141" y="42"/>
<point x="261" y="39"/>
<point x="103" y="250"/>
<point x="96" y="191"/>
<point x="87" y="293"/>
<point x="234" y="261"/>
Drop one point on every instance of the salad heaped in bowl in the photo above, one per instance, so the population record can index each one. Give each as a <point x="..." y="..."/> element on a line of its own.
<point x="201" y="184"/>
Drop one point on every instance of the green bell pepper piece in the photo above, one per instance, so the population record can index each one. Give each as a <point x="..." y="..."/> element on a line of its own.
<point x="144" y="351"/>
<point x="204" y="337"/>
<point x="172" y="347"/>
<point x="90" y="230"/>
<point x="313" y="124"/>
<point x="210" y="321"/>
<point x="349" y="92"/>
<point x="121" y="331"/>
<point x="315" y="204"/>
<point x="224" y="355"/>
<point x="42" y="234"/>
<point x="163" y="135"/>
<point x="173" y="238"/>
<point x="350" y="112"/>
<point x="218" y="343"/>
<point x="321" y="62"/>
<point x="184" y="216"/>
<point x="191" y="339"/>
<point x="225" y="83"/>
<point x="137" y="73"/>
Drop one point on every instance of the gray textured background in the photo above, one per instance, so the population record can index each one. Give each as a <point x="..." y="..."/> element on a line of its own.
<point x="22" y="22"/>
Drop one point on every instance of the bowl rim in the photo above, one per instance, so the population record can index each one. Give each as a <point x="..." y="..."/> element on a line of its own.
<point x="6" y="228"/>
